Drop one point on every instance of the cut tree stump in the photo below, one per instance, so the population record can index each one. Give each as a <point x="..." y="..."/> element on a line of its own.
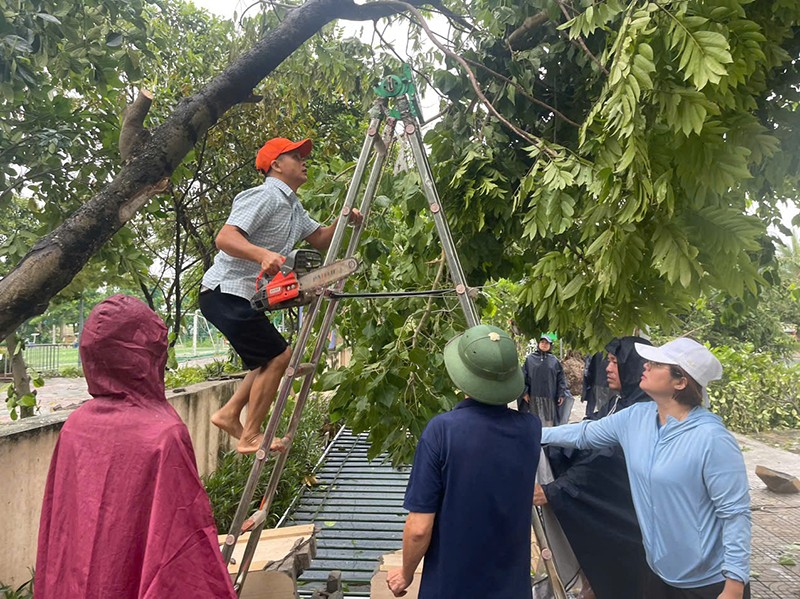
<point x="778" y="482"/>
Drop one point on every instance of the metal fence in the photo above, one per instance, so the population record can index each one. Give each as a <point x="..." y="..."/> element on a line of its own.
<point x="45" y="358"/>
<point x="52" y="358"/>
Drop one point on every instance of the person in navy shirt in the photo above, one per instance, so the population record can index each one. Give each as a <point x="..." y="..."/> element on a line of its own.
<point x="473" y="468"/>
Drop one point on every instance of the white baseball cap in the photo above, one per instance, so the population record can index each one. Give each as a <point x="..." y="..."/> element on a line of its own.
<point x="696" y="359"/>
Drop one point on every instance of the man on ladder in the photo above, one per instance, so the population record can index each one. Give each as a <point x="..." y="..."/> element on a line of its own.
<point x="265" y="223"/>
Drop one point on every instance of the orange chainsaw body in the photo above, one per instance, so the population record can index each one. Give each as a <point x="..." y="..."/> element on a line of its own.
<point x="282" y="288"/>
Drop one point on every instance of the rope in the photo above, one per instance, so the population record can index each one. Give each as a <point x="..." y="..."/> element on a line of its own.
<point x="392" y="294"/>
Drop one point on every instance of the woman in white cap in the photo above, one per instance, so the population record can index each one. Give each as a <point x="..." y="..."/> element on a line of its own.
<point x="687" y="475"/>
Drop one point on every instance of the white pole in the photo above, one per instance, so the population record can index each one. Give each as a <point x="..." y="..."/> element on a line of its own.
<point x="194" y="334"/>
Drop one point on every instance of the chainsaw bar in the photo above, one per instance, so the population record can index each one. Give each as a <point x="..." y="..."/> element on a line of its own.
<point x="327" y="275"/>
<point x="301" y="291"/>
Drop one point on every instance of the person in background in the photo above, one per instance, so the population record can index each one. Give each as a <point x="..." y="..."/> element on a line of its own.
<point x="564" y="409"/>
<point x="687" y="476"/>
<point x="595" y="392"/>
<point x="591" y="495"/>
<point x="125" y="514"/>
<point x="545" y="385"/>
<point x="472" y="469"/>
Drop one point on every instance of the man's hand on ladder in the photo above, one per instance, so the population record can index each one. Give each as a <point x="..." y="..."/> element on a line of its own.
<point x="355" y="217"/>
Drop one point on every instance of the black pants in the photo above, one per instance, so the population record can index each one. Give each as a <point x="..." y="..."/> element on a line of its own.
<point x="655" y="588"/>
<point x="251" y="334"/>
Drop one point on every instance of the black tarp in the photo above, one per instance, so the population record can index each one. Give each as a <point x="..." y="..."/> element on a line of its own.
<point x="592" y="499"/>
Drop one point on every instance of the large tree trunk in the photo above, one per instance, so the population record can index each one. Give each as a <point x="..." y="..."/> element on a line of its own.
<point x="57" y="258"/>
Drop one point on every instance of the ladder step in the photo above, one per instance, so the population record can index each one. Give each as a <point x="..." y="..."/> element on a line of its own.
<point x="303" y="369"/>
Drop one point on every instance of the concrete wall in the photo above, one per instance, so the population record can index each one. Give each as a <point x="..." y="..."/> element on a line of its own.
<point x="26" y="448"/>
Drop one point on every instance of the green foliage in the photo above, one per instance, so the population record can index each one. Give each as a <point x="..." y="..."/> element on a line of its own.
<point x="665" y="190"/>
<point x="189" y="375"/>
<point x="71" y="372"/>
<point x="23" y="591"/>
<point x="766" y="321"/>
<point x="758" y="391"/>
<point x="226" y="484"/>
<point x="20" y="401"/>
<point x="666" y="139"/>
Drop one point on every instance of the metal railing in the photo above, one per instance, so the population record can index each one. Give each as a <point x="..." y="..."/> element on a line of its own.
<point x="44" y="358"/>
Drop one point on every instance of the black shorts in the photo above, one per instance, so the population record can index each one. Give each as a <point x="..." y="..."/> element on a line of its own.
<point x="656" y="588"/>
<point x="250" y="332"/>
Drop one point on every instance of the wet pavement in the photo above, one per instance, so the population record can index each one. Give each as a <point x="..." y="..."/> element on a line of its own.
<point x="56" y="394"/>
<point x="774" y="569"/>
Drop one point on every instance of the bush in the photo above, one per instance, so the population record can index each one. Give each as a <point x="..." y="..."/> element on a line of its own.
<point x="181" y="377"/>
<point x="189" y="375"/>
<point x="758" y="391"/>
<point x="71" y="372"/>
<point x="226" y="484"/>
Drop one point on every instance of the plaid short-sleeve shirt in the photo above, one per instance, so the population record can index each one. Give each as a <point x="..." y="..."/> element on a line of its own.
<point x="272" y="217"/>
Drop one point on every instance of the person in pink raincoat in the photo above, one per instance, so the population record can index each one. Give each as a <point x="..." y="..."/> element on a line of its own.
<point x="125" y="514"/>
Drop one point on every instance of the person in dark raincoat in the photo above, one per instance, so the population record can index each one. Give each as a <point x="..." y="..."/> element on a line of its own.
<point x="545" y="385"/>
<point x="595" y="392"/>
<point x="125" y="515"/>
<point x="591" y="494"/>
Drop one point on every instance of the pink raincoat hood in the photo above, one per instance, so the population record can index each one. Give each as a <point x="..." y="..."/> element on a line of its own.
<point x="124" y="351"/>
<point x="125" y="515"/>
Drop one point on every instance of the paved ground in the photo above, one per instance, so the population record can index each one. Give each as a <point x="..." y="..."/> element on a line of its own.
<point x="776" y="518"/>
<point x="776" y="524"/>
<point x="57" y="394"/>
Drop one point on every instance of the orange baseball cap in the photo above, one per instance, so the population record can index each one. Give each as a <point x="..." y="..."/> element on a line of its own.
<point x="277" y="146"/>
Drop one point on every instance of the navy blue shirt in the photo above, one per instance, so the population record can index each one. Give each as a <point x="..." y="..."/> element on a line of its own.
<point x="475" y="469"/>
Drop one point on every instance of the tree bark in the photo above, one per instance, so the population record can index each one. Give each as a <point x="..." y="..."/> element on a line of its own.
<point x="133" y="134"/>
<point x="19" y="372"/>
<point x="522" y="37"/>
<point x="56" y="258"/>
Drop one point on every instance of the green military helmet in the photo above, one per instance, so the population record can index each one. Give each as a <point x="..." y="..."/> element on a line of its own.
<point x="483" y="363"/>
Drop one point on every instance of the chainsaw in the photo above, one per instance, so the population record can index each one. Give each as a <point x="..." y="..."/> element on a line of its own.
<point x="300" y="279"/>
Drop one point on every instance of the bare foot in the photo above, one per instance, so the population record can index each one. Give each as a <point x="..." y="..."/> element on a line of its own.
<point x="252" y="444"/>
<point x="228" y="422"/>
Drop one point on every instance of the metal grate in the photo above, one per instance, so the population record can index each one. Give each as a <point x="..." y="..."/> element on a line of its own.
<point x="357" y="507"/>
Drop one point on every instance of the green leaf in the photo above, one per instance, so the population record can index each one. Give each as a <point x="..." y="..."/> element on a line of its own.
<point x="114" y="39"/>
<point x="28" y="400"/>
<point x="787" y="560"/>
<point x="572" y="288"/>
<point x="48" y="18"/>
<point x="17" y="43"/>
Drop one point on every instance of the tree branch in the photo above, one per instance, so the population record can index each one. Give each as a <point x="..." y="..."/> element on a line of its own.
<point x="475" y="86"/>
<point x="520" y="38"/>
<point x="580" y="43"/>
<point x="56" y="258"/>
<point x="524" y="92"/>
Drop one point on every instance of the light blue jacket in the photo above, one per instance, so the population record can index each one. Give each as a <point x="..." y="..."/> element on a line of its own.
<point x="689" y="487"/>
